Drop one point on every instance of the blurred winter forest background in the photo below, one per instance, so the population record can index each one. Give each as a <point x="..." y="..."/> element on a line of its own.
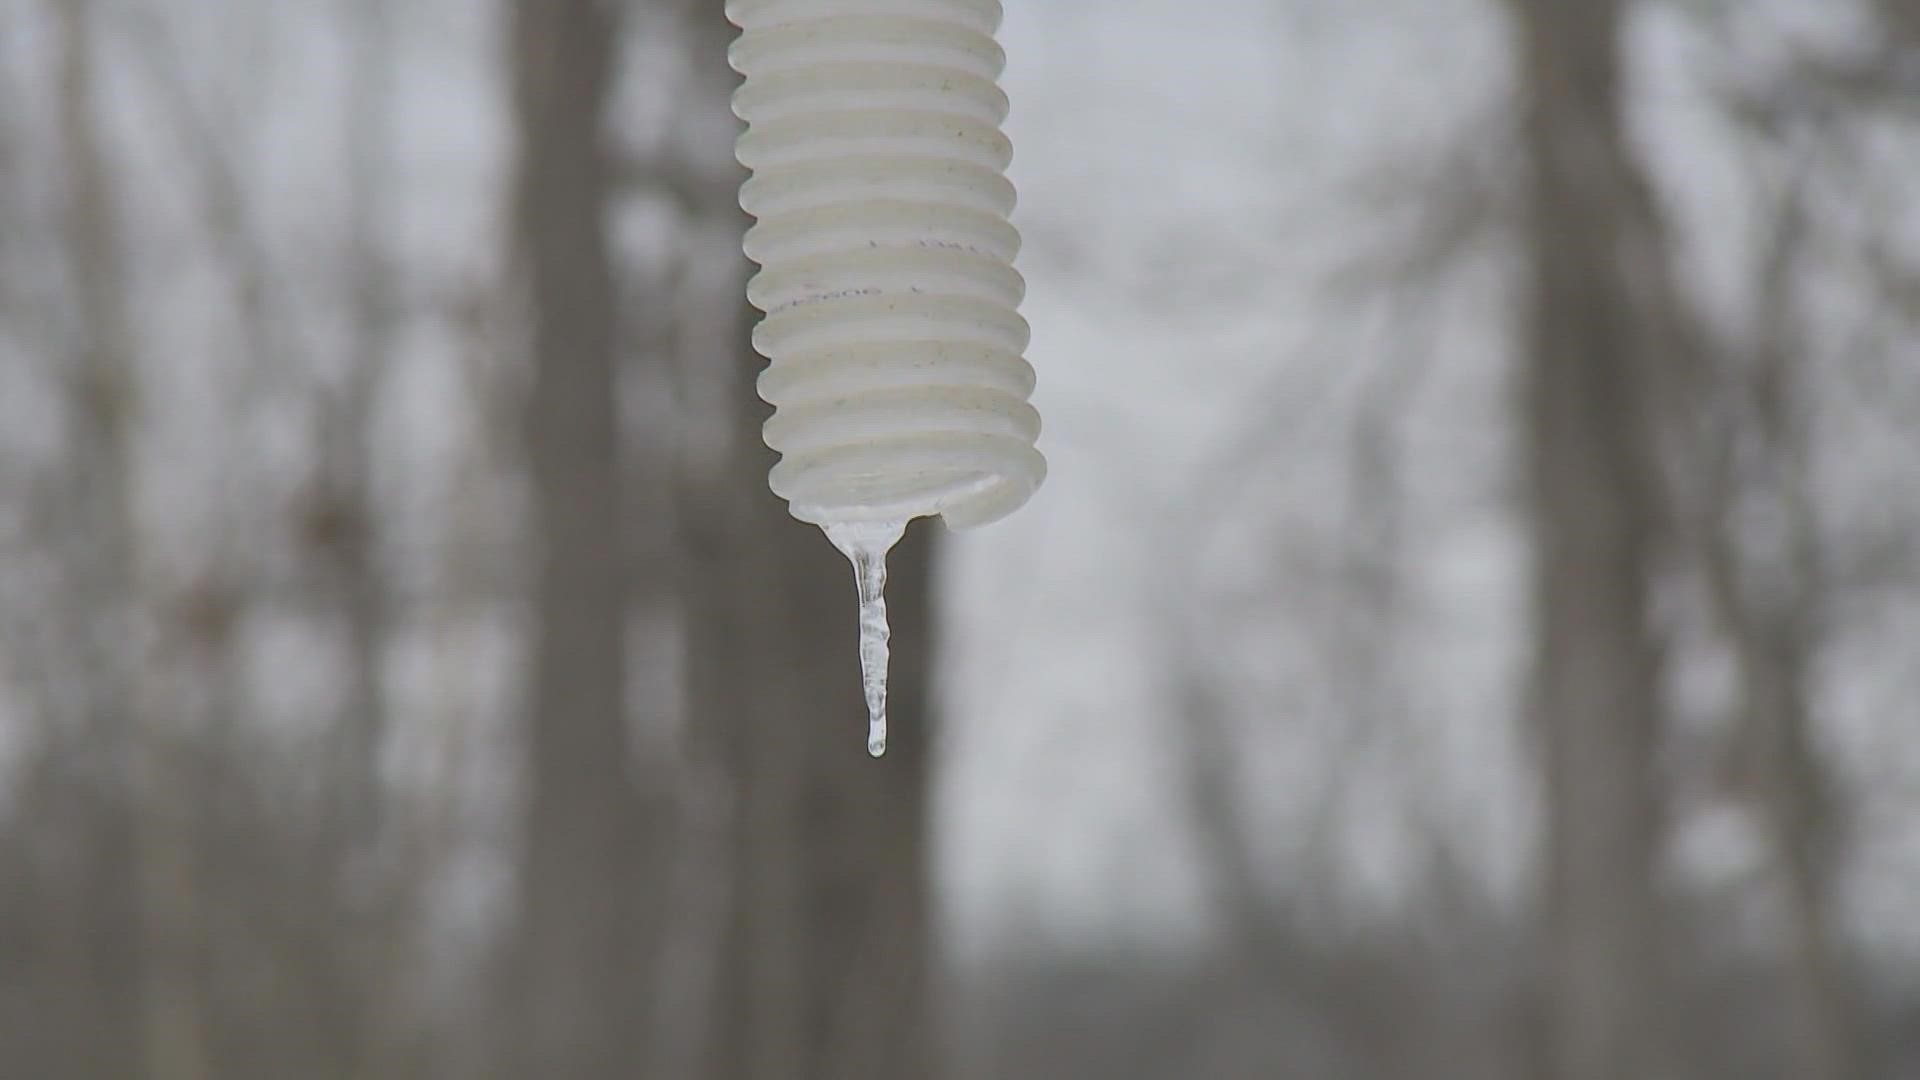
<point x="1471" y="630"/>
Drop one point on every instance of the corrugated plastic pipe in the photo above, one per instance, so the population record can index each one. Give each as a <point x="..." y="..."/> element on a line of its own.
<point x="886" y="274"/>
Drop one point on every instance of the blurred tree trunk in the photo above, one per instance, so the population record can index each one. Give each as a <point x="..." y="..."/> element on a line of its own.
<point x="171" y="1037"/>
<point x="340" y="529"/>
<point x="99" y="954"/>
<point x="341" y="522"/>
<point x="1595" y="327"/>
<point x="582" y="959"/>
<point x="824" y="952"/>
<point x="1767" y="591"/>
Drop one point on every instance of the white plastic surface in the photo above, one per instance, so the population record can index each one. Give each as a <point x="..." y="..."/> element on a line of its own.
<point x="896" y="350"/>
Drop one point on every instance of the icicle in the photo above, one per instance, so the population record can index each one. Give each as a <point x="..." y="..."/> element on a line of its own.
<point x="866" y="546"/>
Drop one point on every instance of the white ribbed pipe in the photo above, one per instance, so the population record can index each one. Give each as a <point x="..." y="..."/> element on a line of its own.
<point x="895" y="347"/>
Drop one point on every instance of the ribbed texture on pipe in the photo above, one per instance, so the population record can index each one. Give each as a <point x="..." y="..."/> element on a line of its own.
<point x="896" y="370"/>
